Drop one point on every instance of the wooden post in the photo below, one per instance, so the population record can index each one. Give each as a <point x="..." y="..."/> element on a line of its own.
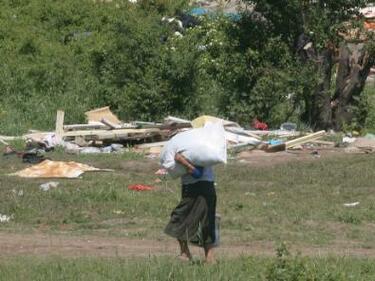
<point x="305" y="139"/>
<point x="59" y="129"/>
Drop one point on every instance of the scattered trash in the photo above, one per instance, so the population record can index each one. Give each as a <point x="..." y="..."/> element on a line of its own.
<point x="117" y="147"/>
<point x="48" y="185"/>
<point x="369" y="136"/>
<point x="256" y="124"/>
<point x="288" y="126"/>
<point x="250" y="194"/>
<point x="140" y="187"/>
<point x="33" y="157"/>
<point x="106" y="133"/>
<point x="118" y="212"/>
<point x="4" y="218"/>
<point x="90" y="150"/>
<point x="18" y="193"/>
<point x="8" y="150"/>
<point x="351" y="204"/>
<point x="361" y="145"/>
<point x="348" y="139"/>
<point x="274" y="142"/>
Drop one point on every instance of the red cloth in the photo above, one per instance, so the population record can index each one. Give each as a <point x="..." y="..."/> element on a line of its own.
<point x="140" y="187"/>
<point x="259" y="125"/>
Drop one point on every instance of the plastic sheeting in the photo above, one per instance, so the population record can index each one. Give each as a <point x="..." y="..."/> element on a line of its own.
<point x="56" y="169"/>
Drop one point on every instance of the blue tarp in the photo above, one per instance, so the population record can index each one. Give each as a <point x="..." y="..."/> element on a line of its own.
<point x="198" y="11"/>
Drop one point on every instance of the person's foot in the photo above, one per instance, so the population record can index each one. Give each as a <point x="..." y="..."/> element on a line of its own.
<point x="210" y="260"/>
<point x="209" y="255"/>
<point x="184" y="257"/>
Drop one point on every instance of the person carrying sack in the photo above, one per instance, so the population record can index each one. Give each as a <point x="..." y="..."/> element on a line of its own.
<point x="193" y="219"/>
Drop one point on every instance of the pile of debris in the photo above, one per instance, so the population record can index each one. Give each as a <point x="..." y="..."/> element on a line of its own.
<point x="105" y="133"/>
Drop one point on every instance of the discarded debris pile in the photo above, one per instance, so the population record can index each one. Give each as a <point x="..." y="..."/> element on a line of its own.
<point x="104" y="132"/>
<point x="104" y="127"/>
<point x="364" y="144"/>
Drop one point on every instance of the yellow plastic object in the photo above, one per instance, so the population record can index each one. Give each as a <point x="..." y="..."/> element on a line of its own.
<point x="200" y="121"/>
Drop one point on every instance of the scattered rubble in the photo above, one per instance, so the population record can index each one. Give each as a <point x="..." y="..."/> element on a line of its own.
<point x="351" y="204"/>
<point x="4" y="218"/>
<point x="48" y="185"/>
<point x="140" y="187"/>
<point x="105" y="133"/>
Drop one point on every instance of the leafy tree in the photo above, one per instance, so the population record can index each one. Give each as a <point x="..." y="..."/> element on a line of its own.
<point x="312" y="31"/>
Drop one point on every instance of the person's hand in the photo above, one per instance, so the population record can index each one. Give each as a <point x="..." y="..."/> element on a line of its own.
<point x="197" y="172"/>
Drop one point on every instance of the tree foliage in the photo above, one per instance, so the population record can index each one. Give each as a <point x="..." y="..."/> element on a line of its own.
<point x="78" y="55"/>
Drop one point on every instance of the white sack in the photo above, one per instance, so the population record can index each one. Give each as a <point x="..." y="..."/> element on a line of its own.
<point x="202" y="147"/>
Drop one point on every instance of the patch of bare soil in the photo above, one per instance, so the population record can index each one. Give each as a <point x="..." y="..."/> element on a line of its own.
<point x="40" y="244"/>
<point x="139" y="166"/>
<point x="260" y="158"/>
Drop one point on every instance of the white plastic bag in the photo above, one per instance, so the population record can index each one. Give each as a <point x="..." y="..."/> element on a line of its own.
<point x="202" y="147"/>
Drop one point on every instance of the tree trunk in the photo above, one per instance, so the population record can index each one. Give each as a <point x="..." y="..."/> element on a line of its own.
<point x="321" y="103"/>
<point x="354" y="67"/>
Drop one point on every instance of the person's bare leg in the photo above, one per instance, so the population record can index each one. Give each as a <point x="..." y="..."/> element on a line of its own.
<point x="209" y="254"/>
<point x="184" y="250"/>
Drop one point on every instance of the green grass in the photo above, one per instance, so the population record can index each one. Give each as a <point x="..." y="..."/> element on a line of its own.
<point x="301" y="203"/>
<point x="161" y="268"/>
<point x="370" y="120"/>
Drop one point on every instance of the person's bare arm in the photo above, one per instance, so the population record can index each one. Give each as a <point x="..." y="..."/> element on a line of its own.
<point x="183" y="161"/>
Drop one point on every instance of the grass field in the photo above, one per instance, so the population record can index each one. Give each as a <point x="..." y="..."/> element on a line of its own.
<point x="241" y="269"/>
<point x="299" y="203"/>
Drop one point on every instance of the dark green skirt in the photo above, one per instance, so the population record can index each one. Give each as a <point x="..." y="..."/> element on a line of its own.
<point x="193" y="219"/>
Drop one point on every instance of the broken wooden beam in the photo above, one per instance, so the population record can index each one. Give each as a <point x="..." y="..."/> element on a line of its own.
<point x="85" y="127"/>
<point x="298" y="141"/>
<point x="116" y="134"/>
<point x="110" y="124"/>
<point x="59" y="128"/>
<point x="241" y="131"/>
<point x="305" y="139"/>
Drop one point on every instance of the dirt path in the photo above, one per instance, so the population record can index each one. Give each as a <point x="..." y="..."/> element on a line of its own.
<point x="95" y="246"/>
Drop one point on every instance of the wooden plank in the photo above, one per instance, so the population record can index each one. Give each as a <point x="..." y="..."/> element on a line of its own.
<point x="99" y="113"/>
<point x="241" y="131"/>
<point x="10" y="138"/>
<point x="59" y="129"/>
<point x="152" y="144"/>
<point x="236" y="138"/>
<point x="110" y="124"/>
<point x="174" y="126"/>
<point x="176" y="120"/>
<point x="85" y="127"/>
<point x="297" y="141"/>
<point x="304" y="139"/>
<point x="3" y="142"/>
<point x="106" y="134"/>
